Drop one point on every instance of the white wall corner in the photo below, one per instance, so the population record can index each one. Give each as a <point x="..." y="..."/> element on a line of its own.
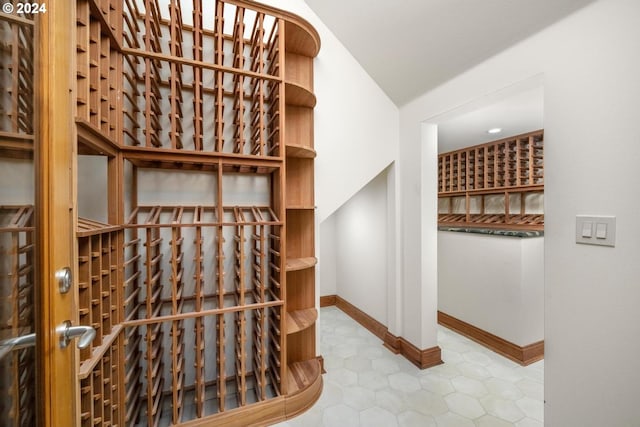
<point x="394" y="271"/>
<point x="429" y="235"/>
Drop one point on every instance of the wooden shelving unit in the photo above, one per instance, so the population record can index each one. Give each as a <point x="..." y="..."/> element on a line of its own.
<point x="303" y="367"/>
<point x="204" y="311"/>
<point x="16" y="98"/>
<point x="17" y="235"/>
<point x="17" y="285"/>
<point x="512" y="168"/>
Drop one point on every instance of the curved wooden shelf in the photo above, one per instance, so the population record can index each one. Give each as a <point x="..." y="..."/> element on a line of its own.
<point x="304" y="386"/>
<point x="301" y="319"/>
<point x="296" y="264"/>
<point x="295" y="94"/>
<point x="300" y="151"/>
<point x="301" y="38"/>
<point x="301" y="208"/>
<point x="270" y="411"/>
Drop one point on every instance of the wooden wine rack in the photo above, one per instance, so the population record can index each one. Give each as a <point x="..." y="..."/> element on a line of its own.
<point x="16" y="98"/>
<point x="508" y="167"/>
<point x="17" y="250"/>
<point x="202" y="312"/>
<point x="17" y="367"/>
<point x="241" y="306"/>
<point x="99" y="275"/>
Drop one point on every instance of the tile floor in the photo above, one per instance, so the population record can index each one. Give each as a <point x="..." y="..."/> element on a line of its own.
<point x="367" y="385"/>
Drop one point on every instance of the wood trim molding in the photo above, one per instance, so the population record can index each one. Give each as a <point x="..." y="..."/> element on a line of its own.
<point x="421" y="358"/>
<point x="375" y="327"/>
<point x="523" y="355"/>
<point x="321" y="362"/>
<point x="392" y="342"/>
<point x="327" y="300"/>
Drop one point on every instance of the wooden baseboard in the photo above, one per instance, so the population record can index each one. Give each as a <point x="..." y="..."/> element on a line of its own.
<point x="375" y="327"/>
<point x="421" y="358"/>
<point x="523" y="355"/>
<point x="321" y="361"/>
<point x="327" y="300"/>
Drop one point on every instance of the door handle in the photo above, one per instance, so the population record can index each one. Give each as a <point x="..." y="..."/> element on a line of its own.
<point x="8" y="345"/>
<point x="86" y="334"/>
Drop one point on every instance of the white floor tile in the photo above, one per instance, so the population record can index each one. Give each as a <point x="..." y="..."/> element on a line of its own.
<point x="385" y="365"/>
<point x="464" y="405"/>
<point x="473" y="370"/>
<point x="367" y="385"/>
<point x="532" y="408"/>
<point x="453" y="420"/>
<point x="402" y="381"/>
<point x="359" y="398"/>
<point x="502" y="408"/>
<point x="531" y="388"/>
<point x="528" y="422"/>
<point x="373" y="380"/>
<point x="391" y="401"/>
<point x="340" y="415"/>
<point x="436" y="383"/>
<point x="378" y="417"/>
<point x="503" y="389"/>
<point x="415" y="419"/>
<point x="491" y="421"/>
<point x="426" y="402"/>
<point x="469" y="386"/>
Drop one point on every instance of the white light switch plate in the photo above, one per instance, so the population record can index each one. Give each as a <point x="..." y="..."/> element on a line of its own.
<point x="599" y="224"/>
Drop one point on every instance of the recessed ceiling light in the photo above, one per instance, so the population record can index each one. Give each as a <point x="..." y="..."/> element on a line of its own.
<point x="494" y="130"/>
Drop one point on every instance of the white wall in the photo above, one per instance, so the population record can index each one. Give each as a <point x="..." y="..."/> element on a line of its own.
<point x="356" y="136"/>
<point x="328" y="280"/>
<point x="591" y="64"/>
<point x="361" y="249"/>
<point x="532" y="290"/>
<point x="17" y="182"/>
<point x="501" y="287"/>
<point x="356" y="124"/>
<point x="92" y="188"/>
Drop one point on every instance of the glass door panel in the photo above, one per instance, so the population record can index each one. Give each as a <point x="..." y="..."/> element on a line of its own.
<point x="17" y="223"/>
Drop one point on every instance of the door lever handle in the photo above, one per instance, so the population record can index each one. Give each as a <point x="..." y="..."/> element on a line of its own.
<point x="24" y="341"/>
<point x="86" y="334"/>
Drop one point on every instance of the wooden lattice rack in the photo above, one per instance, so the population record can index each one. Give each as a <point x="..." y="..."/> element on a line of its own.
<point x="238" y="291"/>
<point x="17" y="318"/>
<point x="16" y="81"/>
<point x="512" y="168"/>
<point x="202" y="311"/>
<point x="17" y="367"/>
<point x="99" y="273"/>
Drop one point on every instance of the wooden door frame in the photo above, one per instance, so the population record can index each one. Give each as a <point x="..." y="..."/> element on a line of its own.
<point x="55" y="209"/>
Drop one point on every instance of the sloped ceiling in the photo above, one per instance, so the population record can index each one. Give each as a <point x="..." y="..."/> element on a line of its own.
<point x="412" y="46"/>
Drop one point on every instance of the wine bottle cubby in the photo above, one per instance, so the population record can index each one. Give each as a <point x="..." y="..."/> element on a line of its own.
<point x="470" y="181"/>
<point x="194" y="255"/>
<point x="17" y="366"/>
<point x="17" y="221"/>
<point x="199" y="277"/>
